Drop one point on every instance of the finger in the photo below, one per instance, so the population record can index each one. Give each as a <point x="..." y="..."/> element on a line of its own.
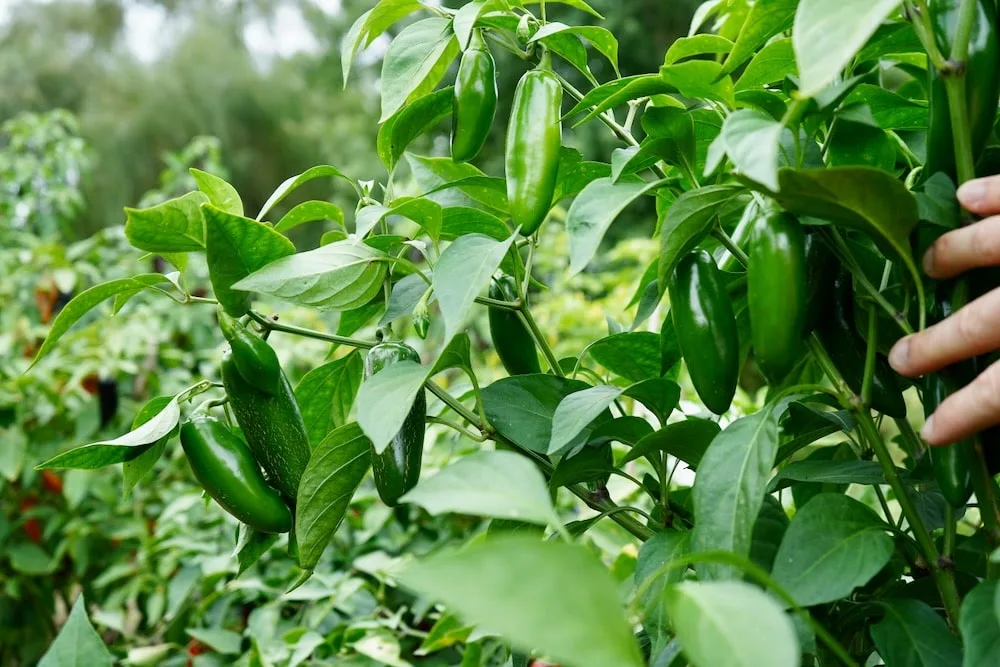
<point x="981" y="196"/>
<point x="973" y="330"/>
<point x="966" y="412"/>
<point x="958" y="251"/>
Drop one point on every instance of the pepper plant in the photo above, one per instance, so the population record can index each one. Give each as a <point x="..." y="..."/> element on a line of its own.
<point x="798" y="154"/>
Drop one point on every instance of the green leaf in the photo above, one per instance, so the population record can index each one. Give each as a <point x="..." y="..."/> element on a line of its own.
<point x="855" y="144"/>
<point x="466" y="18"/>
<point x="659" y="395"/>
<point x="828" y="35"/>
<point x="340" y="276"/>
<point x="687" y="47"/>
<point x="889" y="110"/>
<point x="499" y="485"/>
<point x="424" y="212"/>
<point x="220" y="193"/>
<point x="405" y="296"/>
<point x="135" y="469"/>
<point x="447" y="631"/>
<point x="767" y="18"/>
<point x="294" y="182"/>
<point x="689" y="220"/>
<point x="700" y="79"/>
<point x="124" y="448"/>
<point x="670" y="135"/>
<point x="219" y="640"/>
<point x="913" y="635"/>
<point x="29" y="559"/>
<point x="385" y="399"/>
<point x="752" y="140"/>
<point x="619" y="91"/>
<point x="600" y="38"/>
<point x="833" y="545"/>
<point x="594" y="210"/>
<point x="575" y="4"/>
<point x="590" y="464"/>
<point x="771" y="64"/>
<point x="627" y="430"/>
<point x="459" y="221"/>
<point x="521" y="408"/>
<point x="452" y="184"/>
<point x="720" y="623"/>
<point x="577" y="412"/>
<point x="326" y="393"/>
<point x="410" y="122"/>
<point x="657" y="551"/>
<point x="251" y="545"/>
<point x="633" y="355"/>
<point x="687" y="440"/>
<point x="310" y="211"/>
<point x="768" y="531"/>
<point x="980" y="625"/>
<point x="370" y="25"/>
<point x="176" y="225"/>
<point x="237" y="247"/>
<point x="524" y="588"/>
<point x="828" y="472"/>
<point x="463" y="271"/>
<point x="335" y="470"/>
<point x="730" y="488"/>
<point x="86" y="300"/>
<point x="412" y="61"/>
<point x="869" y="200"/>
<point x="77" y="643"/>
<point x="456" y="354"/>
<point x="575" y="174"/>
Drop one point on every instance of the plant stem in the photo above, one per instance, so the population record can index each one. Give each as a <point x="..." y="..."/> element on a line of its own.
<point x="950" y="526"/>
<point x="912" y="443"/>
<point x="921" y="19"/>
<point x="540" y="341"/>
<point x="944" y="579"/>
<point x="309" y="333"/>
<point x="735" y="250"/>
<point x="456" y="427"/>
<point x="499" y="305"/>
<point x="618" y="130"/>
<point x="869" y="376"/>
<point x="847" y="397"/>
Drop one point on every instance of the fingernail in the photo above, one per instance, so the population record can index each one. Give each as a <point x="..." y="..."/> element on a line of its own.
<point x="972" y="193"/>
<point x="900" y="354"/>
<point x="929" y="261"/>
<point x="927" y="432"/>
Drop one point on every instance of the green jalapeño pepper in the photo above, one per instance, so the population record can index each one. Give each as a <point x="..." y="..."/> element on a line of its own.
<point x="847" y="351"/>
<point x="397" y="468"/>
<point x="511" y="339"/>
<point x="982" y="83"/>
<point x="273" y="428"/>
<point x="706" y="329"/>
<point x="223" y="464"/>
<point x="821" y="272"/>
<point x="534" y="142"/>
<point x="475" y="103"/>
<point x="776" y="290"/>
<point x="254" y="358"/>
<point x="952" y="465"/>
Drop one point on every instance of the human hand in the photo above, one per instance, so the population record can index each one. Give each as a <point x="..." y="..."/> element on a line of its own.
<point x="972" y="331"/>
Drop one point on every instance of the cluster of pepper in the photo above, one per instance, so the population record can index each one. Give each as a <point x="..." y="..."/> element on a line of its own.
<point x="254" y="475"/>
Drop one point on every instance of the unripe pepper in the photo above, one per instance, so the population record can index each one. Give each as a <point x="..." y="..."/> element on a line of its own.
<point x="397" y="469"/>
<point x="952" y="465"/>
<point x="273" y="428"/>
<point x="982" y="83"/>
<point x="706" y="329"/>
<point x="475" y="104"/>
<point x="254" y="358"/>
<point x="534" y="141"/>
<point x="847" y="351"/>
<point x="223" y="464"/>
<point x="511" y="339"/>
<point x="821" y="272"/>
<point x="776" y="290"/>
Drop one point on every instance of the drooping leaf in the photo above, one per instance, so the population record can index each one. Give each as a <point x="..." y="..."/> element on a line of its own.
<point x="335" y="470"/>
<point x="396" y="133"/>
<point x="577" y="412"/>
<point x="326" y="393"/>
<point x="720" y="622"/>
<point x="752" y="141"/>
<point x="340" y="276"/>
<point x="135" y="469"/>
<point x="914" y="635"/>
<point x="499" y="485"/>
<point x="385" y="399"/>
<point x="829" y="472"/>
<point x="633" y="355"/>
<point x="119" y="450"/>
<point x="405" y="296"/>
<point x="237" y="247"/>
<point x="524" y="587"/>
<point x="176" y="225"/>
<point x="833" y="545"/>
<point x="730" y="487"/>
<point x="251" y="545"/>
<point x="687" y="440"/>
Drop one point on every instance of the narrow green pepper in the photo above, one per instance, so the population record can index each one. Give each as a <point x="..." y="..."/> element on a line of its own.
<point x="272" y="426"/>
<point x="776" y="290"/>
<point x="706" y="329"/>
<point x="397" y="469"/>
<point x="534" y="141"/>
<point x="847" y="350"/>
<point x="952" y="465"/>
<point x="223" y="464"/>
<point x="254" y="358"/>
<point x="821" y="272"/>
<point x="475" y="104"/>
<point x="982" y="84"/>
<point x="511" y="339"/>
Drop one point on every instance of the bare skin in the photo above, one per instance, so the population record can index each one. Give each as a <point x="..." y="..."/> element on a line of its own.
<point x="972" y="331"/>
